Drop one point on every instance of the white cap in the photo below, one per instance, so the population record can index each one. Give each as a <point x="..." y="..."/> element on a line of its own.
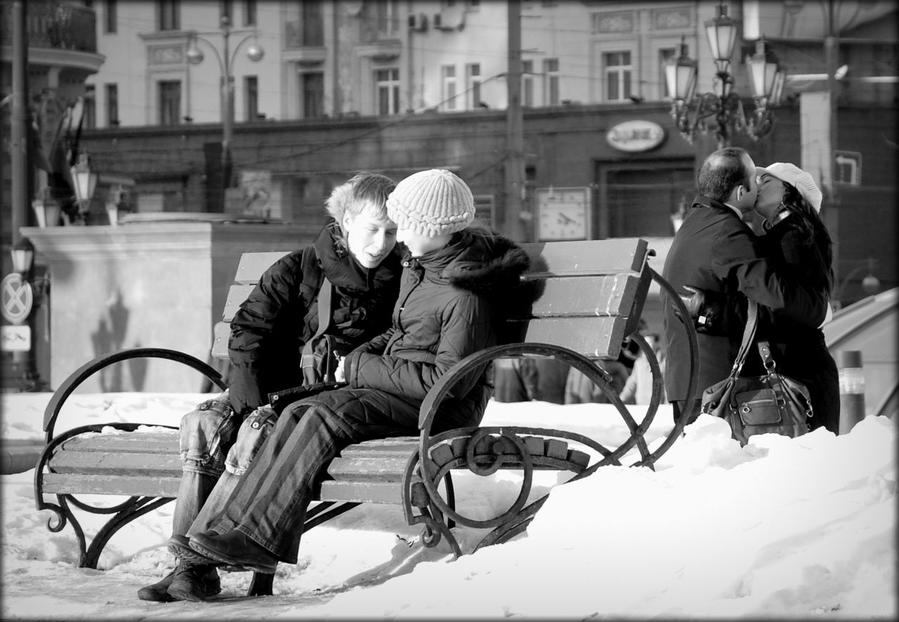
<point x="800" y="179"/>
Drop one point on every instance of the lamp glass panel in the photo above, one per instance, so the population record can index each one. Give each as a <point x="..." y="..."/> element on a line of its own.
<point x="685" y="80"/>
<point x="722" y="35"/>
<point x="671" y="79"/>
<point x="770" y="77"/>
<point x="777" y="90"/>
<point x="757" y="67"/>
<point x="21" y="259"/>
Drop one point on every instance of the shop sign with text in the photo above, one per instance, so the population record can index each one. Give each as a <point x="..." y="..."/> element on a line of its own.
<point x="635" y="135"/>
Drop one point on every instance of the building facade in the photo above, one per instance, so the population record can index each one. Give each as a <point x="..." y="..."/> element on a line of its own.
<point x="322" y="89"/>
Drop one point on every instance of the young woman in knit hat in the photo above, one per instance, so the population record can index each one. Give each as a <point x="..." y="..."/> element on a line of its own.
<point x="455" y="282"/>
<point x="786" y="193"/>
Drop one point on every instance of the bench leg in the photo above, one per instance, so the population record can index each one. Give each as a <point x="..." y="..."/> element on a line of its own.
<point x="261" y="585"/>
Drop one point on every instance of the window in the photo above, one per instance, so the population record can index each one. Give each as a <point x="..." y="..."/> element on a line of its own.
<point x="448" y="94"/>
<point x="251" y="97"/>
<point x="472" y="85"/>
<point x="387" y="87"/>
<point x="249" y="13"/>
<point x="226" y="9"/>
<point x="666" y="55"/>
<point x="640" y="201"/>
<point x="527" y="83"/>
<point x="90" y="107"/>
<point x="111" y="21"/>
<point x="388" y="16"/>
<point x="168" y="15"/>
<point x="112" y="105"/>
<point x="313" y="25"/>
<point x="312" y="87"/>
<point x="551" y="82"/>
<point x="169" y="102"/>
<point x="617" y="68"/>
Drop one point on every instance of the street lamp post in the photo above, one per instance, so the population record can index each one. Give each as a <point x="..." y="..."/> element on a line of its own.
<point x="226" y="63"/>
<point x="691" y="112"/>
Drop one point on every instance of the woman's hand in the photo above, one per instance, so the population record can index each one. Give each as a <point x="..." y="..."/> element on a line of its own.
<point x="339" y="374"/>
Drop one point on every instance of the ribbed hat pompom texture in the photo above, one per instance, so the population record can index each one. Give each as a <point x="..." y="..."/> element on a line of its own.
<point x="432" y="203"/>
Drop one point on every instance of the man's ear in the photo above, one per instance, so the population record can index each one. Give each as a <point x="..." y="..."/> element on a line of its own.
<point x="346" y="221"/>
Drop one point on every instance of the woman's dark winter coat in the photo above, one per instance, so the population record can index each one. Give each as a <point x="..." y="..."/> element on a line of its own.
<point x="281" y="313"/>
<point x="450" y="305"/>
<point x="802" y="254"/>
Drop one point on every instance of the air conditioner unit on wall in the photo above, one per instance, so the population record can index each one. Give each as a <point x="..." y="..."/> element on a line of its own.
<point x="418" y="22"/>
<point x="450" y="18"/>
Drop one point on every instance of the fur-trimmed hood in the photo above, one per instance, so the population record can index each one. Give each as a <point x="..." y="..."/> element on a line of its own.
<point x="478" y="261"/>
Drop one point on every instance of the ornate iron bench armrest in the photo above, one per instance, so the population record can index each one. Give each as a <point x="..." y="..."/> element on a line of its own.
<point x="483" y="450"/>
<point x="84" y="372"/>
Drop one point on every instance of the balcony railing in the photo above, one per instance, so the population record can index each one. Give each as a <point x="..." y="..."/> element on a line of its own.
<point x="59" y="25"/>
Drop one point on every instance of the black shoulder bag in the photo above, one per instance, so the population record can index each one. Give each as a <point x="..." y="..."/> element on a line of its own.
<point x="771" y="402"/>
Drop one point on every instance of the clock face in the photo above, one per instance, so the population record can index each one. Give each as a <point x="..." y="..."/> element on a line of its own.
<point x="564" y="215"/>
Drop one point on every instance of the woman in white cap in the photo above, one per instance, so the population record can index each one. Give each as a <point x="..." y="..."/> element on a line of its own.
<point x="455" y="283"/>
<point x="787" y="194"/>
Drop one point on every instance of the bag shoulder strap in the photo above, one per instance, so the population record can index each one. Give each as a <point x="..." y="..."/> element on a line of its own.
<point x="324" y="308"/>
<point x="752" y="314"/>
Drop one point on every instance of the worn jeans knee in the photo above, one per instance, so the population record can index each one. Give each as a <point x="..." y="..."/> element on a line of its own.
<point x="206" y="435"/>
<point x="252" y="433"/>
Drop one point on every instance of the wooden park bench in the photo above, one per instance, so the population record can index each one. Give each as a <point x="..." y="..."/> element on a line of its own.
<point x="591" y="297"/>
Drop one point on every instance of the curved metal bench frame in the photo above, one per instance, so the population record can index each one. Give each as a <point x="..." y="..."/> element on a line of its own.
<point x="133" y="507"/>
<point x="437" y="515"/>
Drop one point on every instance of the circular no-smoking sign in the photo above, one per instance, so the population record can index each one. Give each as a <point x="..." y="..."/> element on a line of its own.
<point x="17" y="298"/>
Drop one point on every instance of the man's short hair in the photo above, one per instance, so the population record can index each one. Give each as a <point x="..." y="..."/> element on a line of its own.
<point x="362" y="190"/>
<point x="721" y="172"/>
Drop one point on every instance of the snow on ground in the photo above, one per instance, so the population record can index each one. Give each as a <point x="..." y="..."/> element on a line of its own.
<point x="781" y="528"/>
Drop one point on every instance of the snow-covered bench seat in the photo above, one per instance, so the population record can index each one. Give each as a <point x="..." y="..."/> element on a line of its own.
<point x="590" y="297"/>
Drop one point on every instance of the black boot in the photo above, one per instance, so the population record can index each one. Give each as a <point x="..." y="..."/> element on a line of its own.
<point x="194" y="582"/>
<point x="157" y="592"/>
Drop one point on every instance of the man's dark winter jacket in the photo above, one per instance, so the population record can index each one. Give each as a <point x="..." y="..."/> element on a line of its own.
<point x="715" y="251"/>
<point x="451" y="303"/>
<point x="281" y="314"/>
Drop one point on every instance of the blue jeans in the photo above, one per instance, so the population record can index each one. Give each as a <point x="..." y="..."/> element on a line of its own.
<point x="212" y="458"/>
<point x="253" y="431"/>
<point x="269" y="502"/>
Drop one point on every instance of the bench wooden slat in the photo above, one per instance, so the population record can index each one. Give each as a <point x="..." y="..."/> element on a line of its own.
<point x="237" y="293"/>
<point x="368" y="492"/>
<point x="60" y="483"/>
<point x="581" y="257"/>
<point x="220" y="334"/>
<point x="386" y="468"/>
<point x="252" y="265"/>
<point x="125" y="442"/>
<point x="121" y="463"/>
<point x="590" y="336"/>
<point x="593" y="296"/>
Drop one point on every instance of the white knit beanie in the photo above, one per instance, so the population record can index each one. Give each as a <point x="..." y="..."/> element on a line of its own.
<point x="800" y="179"/>
<point x="431" y="203"/>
